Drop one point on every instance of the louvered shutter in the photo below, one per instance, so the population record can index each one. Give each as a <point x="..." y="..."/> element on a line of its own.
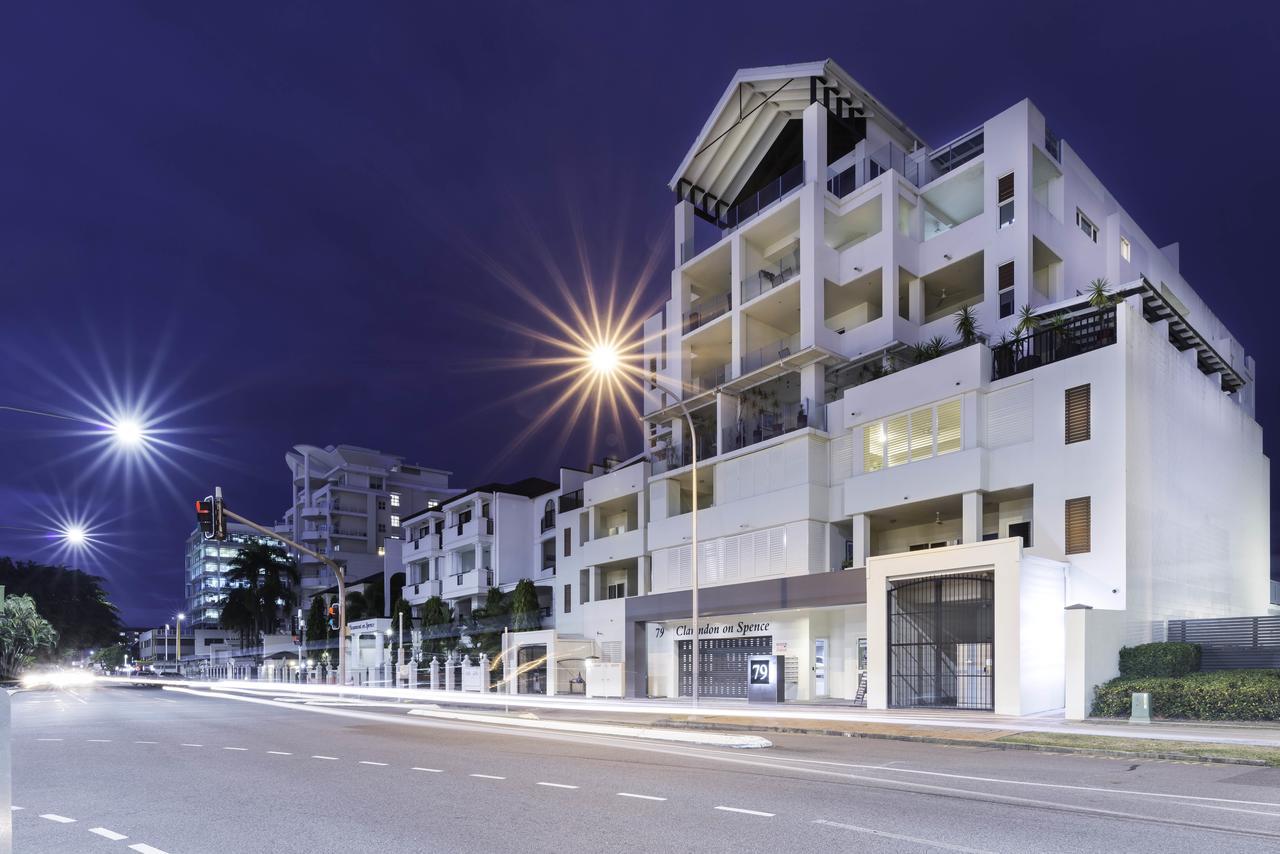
<point x="1078" y="516"/>
<point x="1004" y="188"/>
<point x="1078" y="415"/>
<point x="1004" y="274"/>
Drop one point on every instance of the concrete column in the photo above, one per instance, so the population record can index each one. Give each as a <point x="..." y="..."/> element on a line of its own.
<point x="971" y="517"/>
<point x="812" y="387"/>
<point x="450" y="673"/>
<point x="683" y="230"/>
<point x="915" y="300"/>
<point x="433" y="674"/>
<point x="726" y="419"/>
<point x="484" y="673"/>
<point x="812" y="212"/>
<point x="861" y="539"/>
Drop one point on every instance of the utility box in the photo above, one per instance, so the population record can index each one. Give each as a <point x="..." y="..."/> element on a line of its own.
<point x="1140" y="712"/>
<point x="765" y="679"/>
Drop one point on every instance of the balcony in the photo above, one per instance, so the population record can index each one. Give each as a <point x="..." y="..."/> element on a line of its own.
<point x="774" y="351"/>
<point x="1080" y="334"/>
<point x="772" y="192"/>
<point x="772" y="275"/>
<point x="708" y="309"/>
<point x="471" y="527"/>
<point x="416" y="594"/>
<point x="547" y="523"/>
<point x="426" y="544"/>
<point x="469" y="583"/>
<point x="762" y="425"/>
<point x="571" y="501"/>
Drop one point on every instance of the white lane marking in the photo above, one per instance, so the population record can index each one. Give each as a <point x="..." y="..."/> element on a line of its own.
<point x="235" y="748"/>
<point x="746" y="812"/>
<point x="99" y="740"/>
<point x="558" y="785"/>
<point x="487" y="776"/>
<point x="930" y="843"/>
<point x="184" y="744"/>
<point x="60" y="819"/>
<point x="641" y="797"/>
<point x="334" y="758"/>
<point x="17" y="808"/>
<point x="146" y="742"/>
<point x="109" y="834"/>
<point x="48" y="739"/>
<point x="279" y="753"/>
<point x="144" y="848"/>
<point x="367" y="762"/>
<point x="430" y="770"/>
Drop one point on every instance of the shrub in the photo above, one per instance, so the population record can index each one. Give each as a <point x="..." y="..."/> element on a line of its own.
<point x="1159" y="659"/>
<point x="1223" y="695"/>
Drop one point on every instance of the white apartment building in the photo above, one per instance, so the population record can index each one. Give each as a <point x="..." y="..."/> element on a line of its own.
<point x="494" y="535"/>
<point x="206" y="576"/>
<point x="980" y="530"/>
<point x="347" y="502"/>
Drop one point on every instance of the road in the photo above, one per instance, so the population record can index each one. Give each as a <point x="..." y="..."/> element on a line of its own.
<point x="119" y="769"/>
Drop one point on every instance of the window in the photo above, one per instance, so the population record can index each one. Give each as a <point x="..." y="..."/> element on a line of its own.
<point x="381" y="528"/>
<point x="1078" y="412"/>
<point x="1125" y="249"/>
<point x="862" y="653"/>
<point x="568" y="541"/>
<point x="584" y="586"/>
<point x="1077" y="517"/>
<point x="616" y="591"/>
<point x="382" y="550"/>
<point x="375" y="483"/>
<point x="395" y="521"/>
<point x="1004" y="199"/>
<point x="1021" y="529"/>
<point x="1086" y="225"/>
<point x="382" y="505"/>
<point x="395" y="499"/>
<point x="917" y="435"/>
<point x="568" y="598"/>
<point x="1004" y="280"/>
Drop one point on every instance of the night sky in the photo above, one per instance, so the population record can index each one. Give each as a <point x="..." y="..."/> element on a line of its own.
<point x="277" y="222"/>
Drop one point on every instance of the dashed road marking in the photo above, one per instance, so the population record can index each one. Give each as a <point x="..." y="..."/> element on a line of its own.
<point x="48" y="739"/>
<point x="429" y="770"/>
<point x="367" y="762"/>
<point x="99" y="740"/>
<point x="746" y="812"/>
<point x="558" y="785"/>
<point x="109" y="834"/>
<point x="279" y="753"/>
<point x="331" y="758"/>
<point x="60" y="819"/>
<point x="184" y="744"/>
<point x="235" y="748"/>
<point x="487" y="776"/>
<point x="641" y="797"/>
<point x="144" y="848"/>
<point x="146" y="742"/>
<point x="930" y="843"/>
<point x="14" y="807"/>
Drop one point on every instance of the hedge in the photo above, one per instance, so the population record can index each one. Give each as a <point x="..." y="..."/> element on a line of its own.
<point x="1223" y="695"/>
<point x="1159" y="659"/>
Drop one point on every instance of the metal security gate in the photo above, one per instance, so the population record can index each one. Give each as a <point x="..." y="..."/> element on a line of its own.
<point x="942" y="642"/>
<point x="722" y="665"/>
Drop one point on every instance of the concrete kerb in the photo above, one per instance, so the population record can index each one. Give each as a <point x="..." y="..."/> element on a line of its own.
<point x="690" y="736"/>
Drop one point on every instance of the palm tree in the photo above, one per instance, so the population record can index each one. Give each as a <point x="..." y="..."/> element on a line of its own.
<point x="967" y="326"/>
<point x="1027" y="321"/>
<point x="239" y="614"/>
<point x="931" y="349"/>
<point x="1100" y="295"/>
<point x="272" y="577"/>
<point x="23" y="633"/>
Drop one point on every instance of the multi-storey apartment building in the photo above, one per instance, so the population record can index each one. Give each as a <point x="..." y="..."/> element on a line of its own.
<point x="494" y="535"/>
<point x="975" y="522"/>
<point x="206" y="575"/>
<point x="348" y="501"/>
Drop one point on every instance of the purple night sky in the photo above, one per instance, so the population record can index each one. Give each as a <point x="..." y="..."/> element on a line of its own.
<point x="276" y="221"/>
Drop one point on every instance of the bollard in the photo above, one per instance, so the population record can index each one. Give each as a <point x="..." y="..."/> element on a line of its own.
<point x="6" y="777"/>
<point x="1141" y="709"/>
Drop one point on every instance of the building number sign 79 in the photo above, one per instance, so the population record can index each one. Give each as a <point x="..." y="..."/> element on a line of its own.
<point x="759" y="673"/>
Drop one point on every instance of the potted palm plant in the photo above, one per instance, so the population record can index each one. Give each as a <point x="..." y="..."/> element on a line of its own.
<point x="967" y="326"/>
<point x="1028" y="324"/>
<point x="1100" y="295"/>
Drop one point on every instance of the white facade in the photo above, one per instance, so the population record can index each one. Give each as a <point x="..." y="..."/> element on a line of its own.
<point x="347" y="502"/>
<point x="841" y="240"/>
<point x="206" y="572"/>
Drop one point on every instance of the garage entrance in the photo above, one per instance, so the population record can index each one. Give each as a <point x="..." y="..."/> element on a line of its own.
<point x="942" y="642"/>
<point x="722" y="666"/>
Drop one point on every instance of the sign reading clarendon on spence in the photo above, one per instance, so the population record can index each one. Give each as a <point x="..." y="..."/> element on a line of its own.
<point x="718" y="630"/>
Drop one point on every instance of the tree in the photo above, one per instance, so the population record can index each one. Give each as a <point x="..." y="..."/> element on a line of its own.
<point x="239" y="614"/>
<point x="489" y="621"/>
<point x="318" y="624"/>
<point x="109" y="657"/>
<point x="401" y="607"/>
<point x="23" y="634"/>
<point x="271" y="575"/>
<point x="74" y="602"/>
<point x="437" y="617"/>
<point x="1027" y="320"/>
<point x="357" y="606"/>
<point x="525" y="611"/>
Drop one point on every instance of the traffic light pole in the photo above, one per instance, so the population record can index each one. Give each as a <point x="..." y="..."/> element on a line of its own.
<point x="337" y="571"/>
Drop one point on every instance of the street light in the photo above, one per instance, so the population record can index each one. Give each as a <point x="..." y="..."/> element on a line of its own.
<point x="126" y="430"/>
<point x="606" y="360"/>
<point x="181" y="617"/>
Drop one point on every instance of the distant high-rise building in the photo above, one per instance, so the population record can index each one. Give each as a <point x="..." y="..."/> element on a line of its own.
<point x="207" y="566"/>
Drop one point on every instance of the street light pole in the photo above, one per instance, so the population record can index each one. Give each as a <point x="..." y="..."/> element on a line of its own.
<point x="337" y="571"/>
<point x="166" y="641"/>
<point x="301" y="638"/>
<point x="178" y="647"/>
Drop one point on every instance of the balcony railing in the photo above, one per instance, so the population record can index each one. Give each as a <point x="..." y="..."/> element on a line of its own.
<point x="1275" y="592"/>
<point x="472" y="577"/>
<point x="775" y="351"/>
<point x="548" y="522"/>
<point x="766" y="196"/>
<point x="710" y="379"/>
<point x="671" y="457"/>
<point x="429" y="542"/>
<point x="767" y="278"/>
<point x="1080" y="334"/>
<point x="709" y="308"/>
<point x="571" y="501"/>
<point x="776" y="421"/>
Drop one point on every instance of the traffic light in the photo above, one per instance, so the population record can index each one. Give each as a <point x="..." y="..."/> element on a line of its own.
<point x="204" y="513"/>
<point x="213" y="522"/>
<point x="333" y="617"/>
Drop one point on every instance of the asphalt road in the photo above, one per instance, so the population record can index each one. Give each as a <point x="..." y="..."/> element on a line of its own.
<point x="119" y="769"/>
